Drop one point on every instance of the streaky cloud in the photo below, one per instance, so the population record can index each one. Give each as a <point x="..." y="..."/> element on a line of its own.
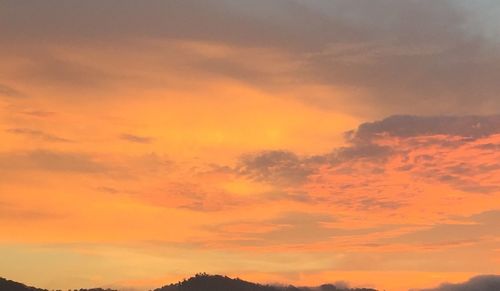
<point x="136" y="138"/>
<point x="38" y="134"/>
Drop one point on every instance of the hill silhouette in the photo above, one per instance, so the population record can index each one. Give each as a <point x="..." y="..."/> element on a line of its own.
<point x="200" y="282"/>
<point x="8" y="285"/>
<point x="205" y="282"/>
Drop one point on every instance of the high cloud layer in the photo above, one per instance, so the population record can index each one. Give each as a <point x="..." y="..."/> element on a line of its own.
<point x="445" y="64"/>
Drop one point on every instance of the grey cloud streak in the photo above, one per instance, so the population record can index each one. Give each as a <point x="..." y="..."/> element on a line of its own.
<point x="6" y="91"/>
<point x="136" y="138"/>
<point x="37" y="134"/>
<point x="50" y="161"/>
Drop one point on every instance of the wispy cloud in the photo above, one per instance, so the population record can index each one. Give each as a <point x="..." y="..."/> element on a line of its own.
<point x="37" y="134"/>
<point x="51" y="161"/>
<point x="6" y="91"/>
<point x="136" y="138"/>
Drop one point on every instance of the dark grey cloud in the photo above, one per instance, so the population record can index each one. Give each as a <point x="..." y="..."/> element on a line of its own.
<point x="357" y="151"/>
<point x="411" y="126"/>
<point x="279" y="167"/>
<point x="423" y="57"/>
<point x="50" y="161"/>
<point x="303" y="25"/>
<point x="259" y="23"/>
<point x="459" y="131"/>
<point x="403" y="56"/>
<point x="366" y="149"/>
<point x="370" y="203"/>
<point x="37" y="134"/>
<point x="136" y="138"/>
<point x="479" y="283"/>
<point x="287" y="168"/>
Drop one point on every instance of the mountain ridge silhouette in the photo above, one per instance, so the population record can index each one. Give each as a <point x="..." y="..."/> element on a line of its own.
<point x="206" y="282"/>
<point x="200" y="282"/>
<point x="9" y="285"/>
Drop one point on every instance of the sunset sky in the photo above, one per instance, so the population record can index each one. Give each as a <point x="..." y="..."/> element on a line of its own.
<point x="279" y="141"/>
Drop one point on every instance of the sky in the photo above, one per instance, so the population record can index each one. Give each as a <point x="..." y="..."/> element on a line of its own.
<point x="279" y="141"/>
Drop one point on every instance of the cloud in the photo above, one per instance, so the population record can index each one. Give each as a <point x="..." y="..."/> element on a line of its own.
<point x="435" y="65"/>
<point x="489" y="146"/>
<point x="297" y="227"/>
<point x="289" y="229"/>
<point x="412" y="142"/>
<point x="7" y="91"/>
<point x="236" y="22"/>
<point x="366" y="150"/>
<point x="50" y="161"/>
<point x="473" y="229"/>
<point x="405" y="126"/>
<point x="398" y="143"/>
<point x="278" y="167"/>
<point x="39" y="113"/>
<point x="186" y="194"/>
<point x="287" y="168"/>
<point x="136" y="138"/>
<point x="479" y="283"/>
<point x="37" y="134"/>
<point x="383" y="52"/>
<point x="56" y="70"/>
<point x="20" y="213"/>
<point x="376" y="170"/>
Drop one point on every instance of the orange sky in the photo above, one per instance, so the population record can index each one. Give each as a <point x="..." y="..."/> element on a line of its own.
<point x="143" y="144"/>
